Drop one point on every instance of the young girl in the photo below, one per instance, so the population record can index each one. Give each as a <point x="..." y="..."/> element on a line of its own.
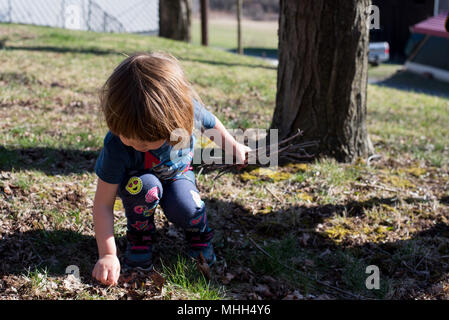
<point x="145" y="100"/>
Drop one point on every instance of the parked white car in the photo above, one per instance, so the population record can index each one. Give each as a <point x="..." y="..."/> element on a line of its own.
<point x="378" y="52"/>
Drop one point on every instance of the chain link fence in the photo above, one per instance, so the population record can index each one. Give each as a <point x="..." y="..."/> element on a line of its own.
<point x="133" y="16"/>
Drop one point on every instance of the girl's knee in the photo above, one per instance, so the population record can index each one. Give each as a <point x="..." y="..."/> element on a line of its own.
<point x="141" y="190"/>
<point x="188" y="217"/>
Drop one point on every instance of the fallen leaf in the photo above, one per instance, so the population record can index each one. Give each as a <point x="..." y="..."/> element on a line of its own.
<point x="295" y="295"/>
<point x="227" y="278"/>
<point x="203" y="267"/>
<point x="304" y="238"/>
<point x="7" y="190"/>
<point x="71" y="283"/>
<point x="263" y="289"/>
<point x="309" y="263"/>
<point x="158" y="280"/>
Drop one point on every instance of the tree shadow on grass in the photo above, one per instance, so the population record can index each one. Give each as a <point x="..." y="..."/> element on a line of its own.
<point x="269" y="53"/>
<point x="407" y="81"/>
<point x="229" y="64"/>
<point x="54" y="253"/>
<point x="103" y="52"/>
<point x="49" y="160"/>
<point x="407" y="267"/>
<point x="55" y="49"/>
<point x="50" y="250"/>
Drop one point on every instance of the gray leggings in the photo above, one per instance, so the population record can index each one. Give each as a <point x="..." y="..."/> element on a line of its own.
<point x="178" y="198"/>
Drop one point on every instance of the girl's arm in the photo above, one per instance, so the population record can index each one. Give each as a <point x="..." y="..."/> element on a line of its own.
<point x="107" y="269"/>
<point x="239" y="150"/>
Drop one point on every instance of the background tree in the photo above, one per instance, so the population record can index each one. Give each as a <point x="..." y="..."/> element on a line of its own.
<point x="239" y="26"/>
<point x="204" y="22"/>
<point x="323" y="75"/>
<point x="175" y="19"/>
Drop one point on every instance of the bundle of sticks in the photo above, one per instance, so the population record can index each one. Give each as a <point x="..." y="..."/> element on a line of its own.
<point x="284" y="150"/>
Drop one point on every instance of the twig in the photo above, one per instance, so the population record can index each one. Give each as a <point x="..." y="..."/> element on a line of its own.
<point x="376" y="186"/>
<point x="272" y="193"/>
<point x="296" y="156"/>
<point x="199" y="174"/>
<point x="278" y="144"/>
<point x="222" y="172"/>
<point x="273" y="149"/>
<point x="371" y="158"/>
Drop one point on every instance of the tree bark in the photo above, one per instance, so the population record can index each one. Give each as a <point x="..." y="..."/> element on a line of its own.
<point x="204" y="22"/>
<point x="323" y="75"/>
<point x="175" y="19"/>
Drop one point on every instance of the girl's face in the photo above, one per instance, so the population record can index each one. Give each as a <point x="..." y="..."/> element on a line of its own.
<point x="142" y="146"/>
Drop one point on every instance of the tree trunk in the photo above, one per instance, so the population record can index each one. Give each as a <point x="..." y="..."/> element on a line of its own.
<point x="239" y="27"/>
<point x="175" y="19"/>
<point x="323" y="75"/>
<point x="204" y="22"/>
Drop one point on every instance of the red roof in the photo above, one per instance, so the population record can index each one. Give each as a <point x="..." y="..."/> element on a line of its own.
<point x="433" y="26"/>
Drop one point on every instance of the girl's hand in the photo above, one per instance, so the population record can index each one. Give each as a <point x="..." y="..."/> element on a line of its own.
<point x="241" y="155"/>
<point x="107" y="269"/>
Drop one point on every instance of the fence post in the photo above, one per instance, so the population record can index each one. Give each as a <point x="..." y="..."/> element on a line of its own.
<point x="105" y="16"/>
<point x="63" y="14"/>
<point x="89" y="14"/>
<point x="10" y="11"/>
<point x="239" y="27"/>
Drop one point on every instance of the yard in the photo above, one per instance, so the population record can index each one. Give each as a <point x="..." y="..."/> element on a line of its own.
<point x="307" y="232"/>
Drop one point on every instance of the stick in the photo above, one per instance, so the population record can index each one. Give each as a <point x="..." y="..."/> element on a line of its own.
<point x="285" y="151"/>
<point x="375" y="186"/>
<point x="272" y="193"/>
<point x="281" y="142"/>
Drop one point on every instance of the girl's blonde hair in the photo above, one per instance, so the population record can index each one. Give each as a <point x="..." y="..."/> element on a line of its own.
<point x="147" y="97"/>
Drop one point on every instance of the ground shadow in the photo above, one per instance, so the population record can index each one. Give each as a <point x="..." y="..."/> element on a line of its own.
<point x="407" y="81"/>
<point x="97" y="51"/>
<point x="49" y="250"/>
<point x="412" y="263"/>
<point x="51" y="161"/>
<point x="55" y="250"/>
<point x="266" y="53"/>
<point x="228" y="64"/>
<point x="79" y="50"/>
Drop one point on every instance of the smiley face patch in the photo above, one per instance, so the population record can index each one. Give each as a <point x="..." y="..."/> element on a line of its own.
<point x="134" y="185"/>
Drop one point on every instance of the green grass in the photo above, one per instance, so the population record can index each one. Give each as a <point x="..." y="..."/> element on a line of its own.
<point x="283" y="257"/>
<point x="38" y="278"/>
<point x="223" y="33"/>
<point x="383" y="71"/>
<point x="409" y="122"/>
<point x="328" y="219"/>
<point x="183" y="279"/>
